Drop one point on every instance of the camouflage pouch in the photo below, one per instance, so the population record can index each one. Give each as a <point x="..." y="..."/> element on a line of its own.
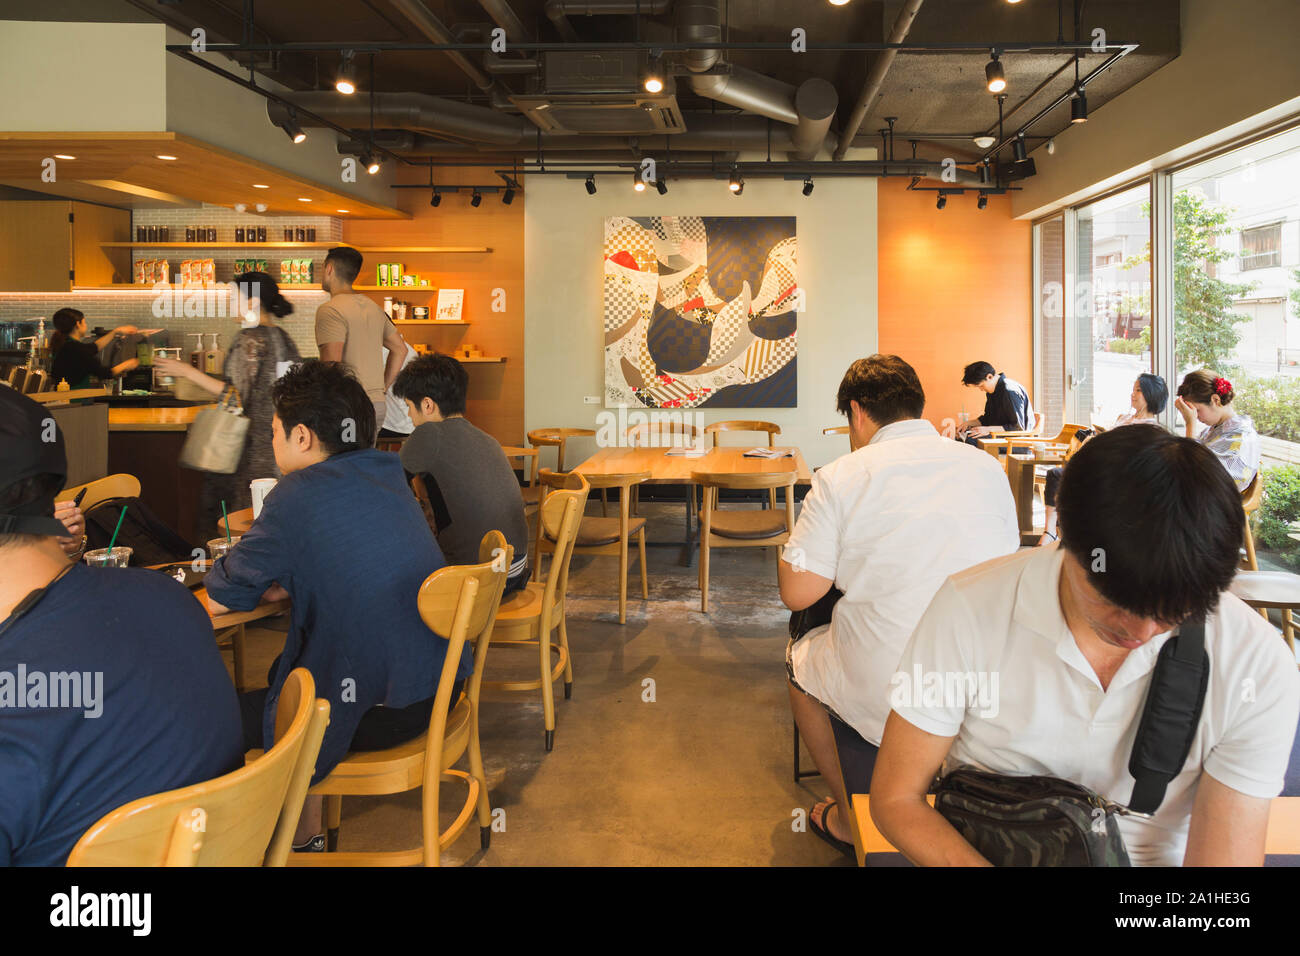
<point x="1031" y="821"/>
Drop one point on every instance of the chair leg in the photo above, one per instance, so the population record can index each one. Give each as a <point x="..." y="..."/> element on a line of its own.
<point x="476" y="770"/>
<point x="568" y="659"/>
<point x="237" y="652"/>
<point x="622" y="581"/>
<point x="548" y="692"/>
<point x="604" y="513"/>
<point x="429" y="805"/>
<point x="704" y="573"/>
<point x="333" y="815"/>
<point x="1288" y="630"/>
<point x="640" y="543"/>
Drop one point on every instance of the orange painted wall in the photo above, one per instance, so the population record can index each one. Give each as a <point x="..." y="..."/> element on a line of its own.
<point x="954" y="288"/>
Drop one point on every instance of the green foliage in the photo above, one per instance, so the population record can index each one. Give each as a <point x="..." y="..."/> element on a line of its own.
<point x="1205" y="327"/>
<point x="1279" y="508"/>
<point x="1273" y="404"/>
<point x="1295" y="293"/>
<point x="1127" y="346"/>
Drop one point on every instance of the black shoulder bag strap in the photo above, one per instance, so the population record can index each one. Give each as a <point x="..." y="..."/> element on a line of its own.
<point x="1170" y="715"/>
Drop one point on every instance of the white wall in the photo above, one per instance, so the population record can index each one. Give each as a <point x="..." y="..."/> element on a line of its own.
<point x="1237" y="70"/>
<point x="563" y="243"/>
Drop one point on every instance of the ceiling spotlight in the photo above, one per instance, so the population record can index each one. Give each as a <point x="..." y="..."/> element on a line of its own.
<point x="661" y="186"/>
<point x="261" y="186"/>
<point x="345" y="80"/>
<point x="477" y="200"/>
<point x="294" y="131"/>
<point x="984" y="142"/>
<point x="838" y="3"/>
<point x="983" y="201"/>
<point x="166" y="157"/>
<point x="436" y="199"/>
<point x="997" y="80"/>
<point x="303" y="199"/>
<point x="637" y="182"/>
<point x="240" y="207"/>
<point x="1078" y="107"/>
<point x="808" y="186"/>
<point x="653" y="78"/>
<point x="508" y="196"/>
<point x="591" y="185"/>
<point x="737" y="182"/>
<point x="261" y="207"/>
<point x="1018" y="147"/>
<point x="372" y="162"/>
<point x="1051" y="147"/>
<point x="943" y="201"/>
<point x="63" y="156"/>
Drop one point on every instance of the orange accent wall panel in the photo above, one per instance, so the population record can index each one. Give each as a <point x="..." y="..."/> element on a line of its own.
<point x="954" y="288"/>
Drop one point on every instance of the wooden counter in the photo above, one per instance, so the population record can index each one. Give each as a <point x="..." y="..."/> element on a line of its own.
<point x="153" y="419"/>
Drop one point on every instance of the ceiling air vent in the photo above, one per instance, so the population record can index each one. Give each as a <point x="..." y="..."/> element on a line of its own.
<point x="599" y="94"/>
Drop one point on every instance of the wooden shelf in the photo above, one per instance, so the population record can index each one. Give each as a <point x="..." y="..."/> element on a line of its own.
<point x="291" y="245"/>
<point x="394" y="288"/>
<point x="430" y="323"/>
<point x="220" y="288"/>
<point x="479" y="359"/>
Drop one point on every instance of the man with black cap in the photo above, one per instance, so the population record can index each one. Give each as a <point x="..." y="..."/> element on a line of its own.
<point x="111" y="685"/>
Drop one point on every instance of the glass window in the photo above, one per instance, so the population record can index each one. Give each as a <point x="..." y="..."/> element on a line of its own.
<point x="1261" y="247"/>
<point x="1049" y="377"/>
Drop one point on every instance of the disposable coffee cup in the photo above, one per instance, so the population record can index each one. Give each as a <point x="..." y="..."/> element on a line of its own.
<point x="119" y="557"/>
<point x="260" y="488"/>
<point x="220" y="547"/>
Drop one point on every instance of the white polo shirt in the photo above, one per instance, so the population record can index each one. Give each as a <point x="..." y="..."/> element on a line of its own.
<point x="889" y="523"/>
<point x="1002" y="622"/>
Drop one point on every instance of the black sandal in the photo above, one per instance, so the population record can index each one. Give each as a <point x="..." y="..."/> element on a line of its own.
<point x="846" y="848"/>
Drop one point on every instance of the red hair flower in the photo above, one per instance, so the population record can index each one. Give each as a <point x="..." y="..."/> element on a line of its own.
<point x="1222" y="386"/>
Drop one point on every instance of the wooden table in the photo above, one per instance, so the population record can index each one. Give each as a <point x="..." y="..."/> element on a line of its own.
<point x="668" y="469"/>
<point x="176" y="419"/>
<point x="1020" y="472"/>
<point x="239" y="521"/>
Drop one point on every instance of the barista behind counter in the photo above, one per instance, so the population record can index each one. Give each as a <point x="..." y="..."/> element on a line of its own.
<point x="75" y="361"/>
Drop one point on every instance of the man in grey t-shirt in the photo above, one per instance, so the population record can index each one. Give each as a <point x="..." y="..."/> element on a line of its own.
<point x="472" y="488"/>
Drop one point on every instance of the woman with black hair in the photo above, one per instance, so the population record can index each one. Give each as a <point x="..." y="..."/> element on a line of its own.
<point x="260" y="354"/>
<point x="75" y="361"/>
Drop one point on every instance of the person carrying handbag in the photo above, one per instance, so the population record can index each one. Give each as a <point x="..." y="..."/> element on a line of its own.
<point x="260" y="353"/>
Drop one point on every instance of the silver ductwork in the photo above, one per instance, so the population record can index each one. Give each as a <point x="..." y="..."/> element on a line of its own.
<point x="504" y="17"/>
<point x="435" y="31"/>
<point x="876" y="77"/>
<point x="559" y="11"/>
<point x="700" y="22"/>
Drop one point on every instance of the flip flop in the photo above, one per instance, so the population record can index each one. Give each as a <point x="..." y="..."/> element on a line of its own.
<point x="846" y="848"/>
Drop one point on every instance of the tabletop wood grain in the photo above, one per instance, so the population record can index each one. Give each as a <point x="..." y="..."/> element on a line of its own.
<point x="676" y="469"/>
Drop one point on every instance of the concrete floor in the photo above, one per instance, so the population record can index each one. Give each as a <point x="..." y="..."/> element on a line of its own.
<point x="700" y="776"/>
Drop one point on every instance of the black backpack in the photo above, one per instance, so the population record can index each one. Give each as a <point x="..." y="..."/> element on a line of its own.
<point x="149" y="537"/>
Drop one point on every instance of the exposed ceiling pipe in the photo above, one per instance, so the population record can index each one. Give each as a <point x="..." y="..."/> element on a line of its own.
<point x="435" y="31"/>
<point x="496" y="64"/>
<point x="876" y="77"/>
<point x="504" y="17"/>
<point x="559" y="11"/>
<point x="809" y="109"/>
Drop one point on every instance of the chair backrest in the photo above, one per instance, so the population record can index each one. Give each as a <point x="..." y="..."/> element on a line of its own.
<point x="559" y="516"/>
<point x="836" y="430"/>
<point x="770" y="428"/>
<point x="557" y="437"/>
<point x="527" y="457"/>
<point x="711" y="481"/>
<point x="101" y="489"/>
<point x="1253" y="496"/>
<point x="657" y="434"/>
<point x="228" y="821"/>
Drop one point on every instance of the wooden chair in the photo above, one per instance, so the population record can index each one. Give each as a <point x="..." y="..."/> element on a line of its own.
<point x="245" y="818"/>
<point x="607" y="536"/>
<point x="1271" y="589"/>
<point x="836" y="430"/>
<point x="657" y="434"/>
<point x="527" y="457"/>
<point x="1251" y="499"/>
<point x="390" y="444"/>
<point x="999" y="444"/>
<point x="741" y="529"/>
<point x="558" y="438"/>
<point x="528" y="616"/>
<point x="768" y="428"/>
<point x="114" y="486"/>
<point x="461" y="602"/>
<point x="1282" y="837"/>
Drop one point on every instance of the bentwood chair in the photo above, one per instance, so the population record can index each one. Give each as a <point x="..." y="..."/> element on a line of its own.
<point x="527" y="457"/>
<point x="529" y="616"/>
<point x="999" y="444"/>
<point x="1251" y="499"/>
<point x="836" y="430"/>
<point x="662" y="434"/>
<point x="1263" y="590"/>
<point x="101" y="489"/>
<point x="768" y="428"/>
<point x="245" y="818"/>
<point x="607" y="536"/>
<point x="741" y="529"/>
<point x="461" y="602"/>
<point x="559" y="439"/>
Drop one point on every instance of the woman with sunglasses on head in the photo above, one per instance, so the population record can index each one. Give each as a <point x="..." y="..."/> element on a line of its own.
<point x="1207" y="398"/>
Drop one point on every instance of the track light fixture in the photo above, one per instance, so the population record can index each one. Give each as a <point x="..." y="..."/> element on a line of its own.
<point x="345" y="80"/>
<point x="508" y="196"/>
<point x="653" y="78"/>
<point x="1018" y="147"/>
<point x="292" y="129"/>
<point x="941" y="201"/>
<point x="436" y="199"/>
<point x="984" y="142"/>
<point x="591" y="185"/>
<point x="808" y="186"/>
<point x="983" y="201"/>
<point x="477" y="199"/>
<point x="637" y="182"/>
<point x="373" y="161"/>
<point x="661" y="186"/>
<point x="994" y="76"/>
<point x="1078" y="106"/>
<point x="737" y="182"/>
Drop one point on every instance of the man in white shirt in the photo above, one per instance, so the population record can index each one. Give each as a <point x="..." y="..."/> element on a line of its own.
<point x="885" y="524"/>
<point x="397" y="420"/>
<point x="1151" y="526"/>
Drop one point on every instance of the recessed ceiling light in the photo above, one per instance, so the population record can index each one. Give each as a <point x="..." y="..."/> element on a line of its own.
<point x="63" y="156"/>
<point x="260" y="207"/>
<point x="303" y="199"/>
<point x="166" y="157"/>
<point x="260" y="186"/>
<point x="984" y="142"/>
<point x="340" y="210"/>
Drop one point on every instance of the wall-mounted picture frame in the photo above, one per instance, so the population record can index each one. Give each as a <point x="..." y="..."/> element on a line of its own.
<point x="451" y="305"/>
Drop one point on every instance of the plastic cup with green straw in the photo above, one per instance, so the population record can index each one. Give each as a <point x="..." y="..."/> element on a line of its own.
<point x="225" y="520"/>
<point x="113" y="540"/>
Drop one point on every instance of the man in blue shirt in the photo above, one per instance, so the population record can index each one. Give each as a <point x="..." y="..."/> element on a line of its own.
<point x="344" y="538"/>
<point x="111" y="684"/>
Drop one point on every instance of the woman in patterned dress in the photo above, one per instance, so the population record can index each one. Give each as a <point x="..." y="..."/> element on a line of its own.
<point x="1207" y="397"/>
<point x="260" y="353"/>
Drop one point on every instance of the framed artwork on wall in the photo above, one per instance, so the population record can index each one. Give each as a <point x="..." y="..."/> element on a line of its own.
<point x="451" y="305"/>
<point x="701" y="312"/>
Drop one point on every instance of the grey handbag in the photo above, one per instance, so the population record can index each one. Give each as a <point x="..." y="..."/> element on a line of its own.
<point x="216" y="439"/>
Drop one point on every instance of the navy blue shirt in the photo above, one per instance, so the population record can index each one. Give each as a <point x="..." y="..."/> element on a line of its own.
<point x="1008" y="405"/>
<point x="157" y="712"/>
<point x="347" y="539"/>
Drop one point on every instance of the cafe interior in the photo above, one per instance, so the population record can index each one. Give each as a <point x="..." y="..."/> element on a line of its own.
<point x="654" y="236"/>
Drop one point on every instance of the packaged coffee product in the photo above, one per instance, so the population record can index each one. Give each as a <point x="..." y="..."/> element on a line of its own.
<point x="139" y="271"/>
<point x="261" y="233"/>
<point x="141" y="233"/>
<point x="212" y="233"/>
<point x="311" y="233"/>
<point x="153" y="234"/>
<point x="286" y="271"/>
<point x="239" y="234"/>
<point x="300" y="234"/>
<point x="288" y="233"/>
<point x="383" y="274"/>
<point x="164" y="234"/>
<point x="189" y="233"/>
<point x="394" y="273"/>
